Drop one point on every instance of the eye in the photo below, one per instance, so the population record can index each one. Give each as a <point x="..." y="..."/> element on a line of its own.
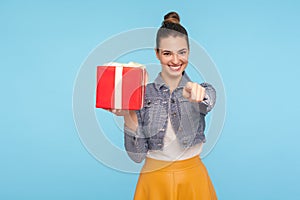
<point x="166" y="53"/>
<point x="182" y="53"/>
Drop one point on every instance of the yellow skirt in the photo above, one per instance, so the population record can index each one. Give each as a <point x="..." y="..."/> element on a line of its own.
<point x="178" y="180"/>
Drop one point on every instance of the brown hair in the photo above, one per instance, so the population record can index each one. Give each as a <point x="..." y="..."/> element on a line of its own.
<point x="171" y="27"/>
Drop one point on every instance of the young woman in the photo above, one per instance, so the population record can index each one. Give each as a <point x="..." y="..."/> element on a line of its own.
<point x="168" y="132"/>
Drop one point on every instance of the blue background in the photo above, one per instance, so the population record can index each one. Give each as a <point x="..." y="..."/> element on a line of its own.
<point x="254" y="44"/>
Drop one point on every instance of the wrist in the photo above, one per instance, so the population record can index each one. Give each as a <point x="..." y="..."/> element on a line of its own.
<point x="130" y="120"/>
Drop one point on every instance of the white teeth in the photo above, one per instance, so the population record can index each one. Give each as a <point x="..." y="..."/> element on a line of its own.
<point x="175" y="67"/>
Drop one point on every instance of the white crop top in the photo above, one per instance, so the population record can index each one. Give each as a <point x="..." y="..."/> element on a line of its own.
<point x="171" y="150"/>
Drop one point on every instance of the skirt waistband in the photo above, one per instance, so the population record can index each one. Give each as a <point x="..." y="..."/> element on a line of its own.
<point x="169" y="166"/>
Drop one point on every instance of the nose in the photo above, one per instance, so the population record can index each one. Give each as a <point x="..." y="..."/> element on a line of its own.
<point x="175" y="59"/>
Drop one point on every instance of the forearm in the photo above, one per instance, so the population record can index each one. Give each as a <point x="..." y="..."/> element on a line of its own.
<point x="131" y="121"/>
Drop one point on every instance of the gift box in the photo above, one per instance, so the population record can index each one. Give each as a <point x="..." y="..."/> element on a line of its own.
<point x="120" y="86"/>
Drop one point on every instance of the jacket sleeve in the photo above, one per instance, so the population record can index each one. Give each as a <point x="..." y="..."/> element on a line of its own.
<point x="136" y="144"/>
<point x="210" y="98"/>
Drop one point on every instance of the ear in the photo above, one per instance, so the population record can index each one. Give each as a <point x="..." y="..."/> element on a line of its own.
<point x="156" y="53"/>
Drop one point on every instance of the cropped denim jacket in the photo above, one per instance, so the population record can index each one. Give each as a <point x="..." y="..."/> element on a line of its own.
<point x="187" y="118"/>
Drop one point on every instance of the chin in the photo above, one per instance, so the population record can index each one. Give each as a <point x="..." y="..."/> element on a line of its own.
<point x="175" y="74"/>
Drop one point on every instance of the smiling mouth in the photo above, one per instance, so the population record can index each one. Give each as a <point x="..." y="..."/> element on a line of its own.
<point x="175" y="68"/>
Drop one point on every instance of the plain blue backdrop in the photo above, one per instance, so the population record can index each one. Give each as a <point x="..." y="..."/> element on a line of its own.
<point x="254" y="44"/>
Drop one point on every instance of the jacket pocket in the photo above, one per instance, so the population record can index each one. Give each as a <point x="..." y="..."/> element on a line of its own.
<point x="152" y="116"/>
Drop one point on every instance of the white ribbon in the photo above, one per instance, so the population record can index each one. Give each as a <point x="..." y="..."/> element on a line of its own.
<point x="118" y="87"/>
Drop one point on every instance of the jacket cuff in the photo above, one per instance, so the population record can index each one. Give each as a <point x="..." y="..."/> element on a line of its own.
<point x="135" y="145"/>
<point x="210" y="97"/>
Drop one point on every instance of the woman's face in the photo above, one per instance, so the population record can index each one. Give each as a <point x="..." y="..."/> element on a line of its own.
<point x="173" y="55"/>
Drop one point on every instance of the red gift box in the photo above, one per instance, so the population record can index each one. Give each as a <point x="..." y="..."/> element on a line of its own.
<point x="120" y="87"/>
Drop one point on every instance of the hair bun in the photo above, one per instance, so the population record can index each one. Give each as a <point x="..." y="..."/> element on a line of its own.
<point x="172" y="17"/>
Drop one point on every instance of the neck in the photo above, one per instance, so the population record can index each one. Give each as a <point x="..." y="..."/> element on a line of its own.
<point x="172" y="82"/>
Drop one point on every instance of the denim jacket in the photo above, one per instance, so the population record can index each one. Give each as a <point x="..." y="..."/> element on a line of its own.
<point x="187" y="118"/>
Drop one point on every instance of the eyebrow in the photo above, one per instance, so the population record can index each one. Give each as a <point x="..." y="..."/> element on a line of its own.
<point x="165" y="50"/>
